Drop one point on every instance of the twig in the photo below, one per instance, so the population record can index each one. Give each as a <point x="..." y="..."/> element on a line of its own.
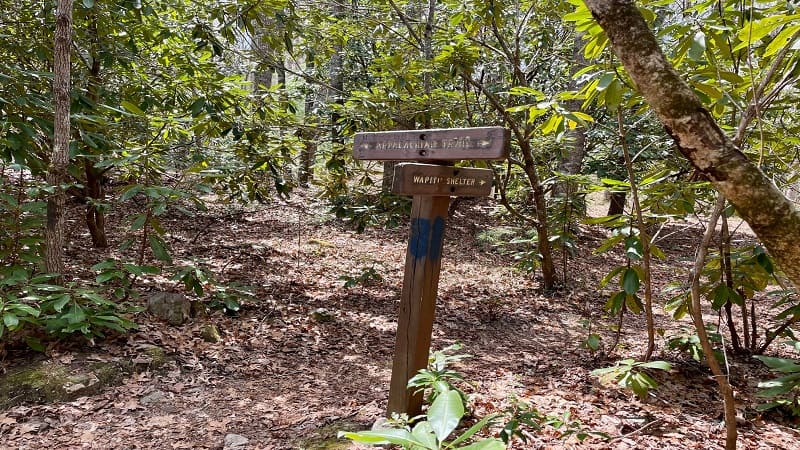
<point x="638" y="430"/>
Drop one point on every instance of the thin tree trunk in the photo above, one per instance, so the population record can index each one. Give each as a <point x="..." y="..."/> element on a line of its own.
<point x="427" y="54"/>
<point x="643" y="238"/>
<point x="616" y="204"/>
<point x="572" y="160"/>
<point x="262" y="76"/>
<point x="57" y="171"/>
<point x="337" y="82"/>
<point x="93" y="189"/>
<point x="699" y="325"/>
<point x="309" y="151"/>
<point x="727" y="272"/>
<point x="773" y="218"/>
<point x="521" y="134"/>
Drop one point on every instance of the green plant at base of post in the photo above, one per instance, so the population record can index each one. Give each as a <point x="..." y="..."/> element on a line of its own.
<point x="442" y="419"/>
<point x="448" y="407"/>
<point x="438" y="377"/>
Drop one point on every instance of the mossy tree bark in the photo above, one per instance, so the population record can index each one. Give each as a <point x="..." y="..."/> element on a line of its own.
<point x="772" y="217"/>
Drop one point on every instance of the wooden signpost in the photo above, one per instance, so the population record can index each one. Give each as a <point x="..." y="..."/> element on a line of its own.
<point x="431" y="186"/>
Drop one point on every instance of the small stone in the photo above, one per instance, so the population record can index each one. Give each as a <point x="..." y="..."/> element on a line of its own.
<point x="382" y="423"/>
<point x="322" y="315"/>
<point x="172" y="307"/>
<point x="71" y="388"/>
<point x="153" y="397"/>
<point x="234" y="441"/>
<point x="210" y="333"/>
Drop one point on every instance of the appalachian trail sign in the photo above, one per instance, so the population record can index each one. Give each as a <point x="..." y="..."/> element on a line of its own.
<point x="431" y="186"/>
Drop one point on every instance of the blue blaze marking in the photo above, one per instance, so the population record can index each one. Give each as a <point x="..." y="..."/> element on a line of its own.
<point x="436" y="238"/>
<point x="420" y="232"/>
<point x="425" y="239"/>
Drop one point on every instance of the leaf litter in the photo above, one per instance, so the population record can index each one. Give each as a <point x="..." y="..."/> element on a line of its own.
<point x="283" y="380"/>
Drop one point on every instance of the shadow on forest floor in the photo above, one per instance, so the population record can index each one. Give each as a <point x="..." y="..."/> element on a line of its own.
<point x="282" y="378"/>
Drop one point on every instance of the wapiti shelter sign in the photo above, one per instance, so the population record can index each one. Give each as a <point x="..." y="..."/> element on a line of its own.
<point x="431" y="180"/>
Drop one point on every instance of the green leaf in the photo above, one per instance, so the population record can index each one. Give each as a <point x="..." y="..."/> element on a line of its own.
<point x="399" y="437"/>
<point x="131" y="108"/>
<point x="62" y="300"/>
<point x="25" y="309"/>
<point x="605" y="81"/>
<point x="634" y="303"/>
<point x="486" y="421"/>
<point x="445" y="413"/>
<point x="779" y="364"/>
<point x="423" y="432"/>
<point x="106" y="276"/>
<point x="103" y="265"/>
<point x="778" y="387"/>
<point x="141" y="270"/>
<point x="783" y="39"/>
<point x="614" y="304"/>
<point x="159" y="248"/>
<point x="661" y="365"/>
<point x="633" y="248"/>
<point x="35" y="344"/>
<point x="642" y="383"/>
<point x="75" y="315"/>
<point x="593" y="342"/>
<point x="554" y="123"/>
<point x="759" y="29"/>
<point x="606" y="279"/>
<point x="128" y="193"/>
<point x="630" y="281"/>
<point x="486" y="444"/>
<point x="765" y="262"/>
<point x="198" y="106"/>
<point x="11" y="320"/>
<point x="88" y="3"/>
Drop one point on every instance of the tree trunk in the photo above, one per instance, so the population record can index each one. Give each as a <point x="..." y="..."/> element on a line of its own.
<point x="309" y="152"/>
<point x="57" y="171"/>
<point x="542" y="230"/>
<point x="773" y="218"/>
<point x="572" y="160"/>
<point x="643" y="238"/>
<point x="93" y="188"/>
<point x="616" y="205"/>
<point x="697" y="318"/>
<point x="95" y="218"/>
<point x="262" y="76"/>
<point x="427" y="54"/>
<point x="337" y="83"/>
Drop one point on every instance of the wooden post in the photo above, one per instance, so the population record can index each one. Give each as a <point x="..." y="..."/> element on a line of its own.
<point x="417" y="300"/>
<point x="431" y="187"/>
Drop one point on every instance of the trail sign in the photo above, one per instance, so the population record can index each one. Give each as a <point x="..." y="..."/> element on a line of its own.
<point x="447" y="144"/>
<point x="430" y="179"/>
<point x="431" y="187"/>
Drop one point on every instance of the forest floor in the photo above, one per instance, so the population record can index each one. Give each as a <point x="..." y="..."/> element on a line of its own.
<point x="282" y="379"/>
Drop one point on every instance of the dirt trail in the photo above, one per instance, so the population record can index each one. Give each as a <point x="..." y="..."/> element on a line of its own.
<point x="282" y="379"/>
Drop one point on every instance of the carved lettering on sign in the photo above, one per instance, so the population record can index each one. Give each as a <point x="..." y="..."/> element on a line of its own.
<point x="435" y="144"/>
<point x="430" y="179"/>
